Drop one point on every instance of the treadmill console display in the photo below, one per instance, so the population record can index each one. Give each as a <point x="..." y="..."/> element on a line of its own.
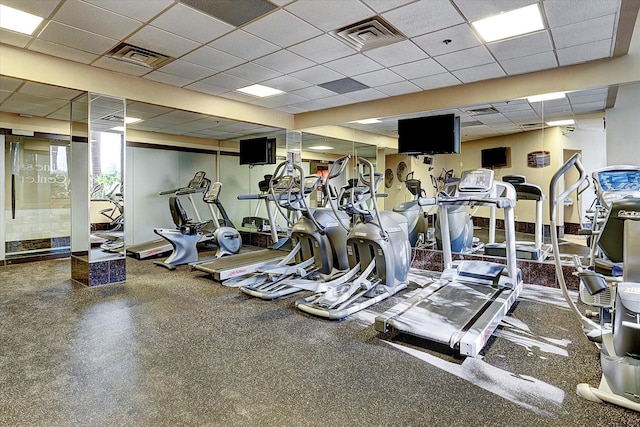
<point x="622" y="180"/>
<point x="310" y="183"/>
<point x="478" y="180"/>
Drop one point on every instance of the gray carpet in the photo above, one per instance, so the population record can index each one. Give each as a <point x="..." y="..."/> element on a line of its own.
<point x="176" y="348"/>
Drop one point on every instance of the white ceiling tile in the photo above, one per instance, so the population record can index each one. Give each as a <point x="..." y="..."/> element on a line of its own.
<point x="384" y="5"/>
<point x="474" y="10"/>
<point x="465" y="58"/>
<point x="201" y="27"/>
<point x="461" y="36"/>
<point x="39" y="8"/>
<point x="227" y="81"/>
<point x="584" y="53"/>
<point x="253" y="72"/>
<point x="333" y="101"/>
<point x="48" y="91"/>
<point x="291" y="109"/>
<point x="13" y="38"/>
<point x="378" y="78"/>
<point x="206" y="88"/>
<point x="279" y="100"/>
<point x="423" y="68"/>
<point x="142" y="10"/>
<point x="559" y="14"/>
<point x="282" y="28"/>
<point x="180" y="116"/>
<point x="9" y="84"/>
<point x="146" y="111"/>
<point x="396" y="53"/>
<point x="423" y="17"/>
<point x="316" y="75"/>
<point x="322" y="49"/>
<point x="76" y="38"/>
<point x="285" y="62"/>
<point x="399" y="88"/>
<point x="437" y="81"/>
<point x="286" y="83"/>
<point x="330" y="15"/>
<point x="365" y="95"/>
<point x="96" y="20"/>
<point x="527" y="64"/>
<point x="313" y="92"/>
<point x="353" y="65"/>
<point x="212" y="58"/>
<point x="187" y="70"/>
<point x="481" y="72"/>
<point x="61" y="51"/>
<point x="244" y="45"/>
<point x="584" y="32"/>
<point x="163" y="42"/>
<point x="121" y="66"/>
<point x="170" y="79"/>
<point x="522" y="46"/>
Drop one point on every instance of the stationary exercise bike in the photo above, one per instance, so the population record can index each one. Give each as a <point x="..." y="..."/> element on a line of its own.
<point x="617" y="333"/>
<point x="187" y="234"/>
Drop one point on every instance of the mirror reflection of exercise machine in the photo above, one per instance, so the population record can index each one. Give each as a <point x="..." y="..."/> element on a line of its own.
<point x="239" y="265"/>
<point x="162" y="246"/>
<point x="462" y="309"/>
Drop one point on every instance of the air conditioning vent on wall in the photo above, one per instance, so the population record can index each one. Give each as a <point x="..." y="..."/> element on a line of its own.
<point x="369" y="34"/>
<point x="139" y="56"/>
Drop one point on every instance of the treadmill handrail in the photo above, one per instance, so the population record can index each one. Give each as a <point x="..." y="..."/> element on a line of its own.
<point x="500" y="202"/>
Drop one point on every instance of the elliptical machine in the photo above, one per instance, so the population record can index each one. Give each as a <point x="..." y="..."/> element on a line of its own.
<point x="618" y="332"/>
<point x="378" y="251"/>
<point x="319" y="252"/>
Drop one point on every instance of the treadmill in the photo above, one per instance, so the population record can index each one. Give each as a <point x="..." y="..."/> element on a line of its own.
<point x="245" y="263"/>
<point x="465" y="305"/>
<point x="158" y="247"/>
<point x="524" y="250"/>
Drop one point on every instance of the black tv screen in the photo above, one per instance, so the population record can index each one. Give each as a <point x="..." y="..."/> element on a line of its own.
<point x="258" y="151"/>
<point x="429" y="135"/>
<point x="494" y="157"/>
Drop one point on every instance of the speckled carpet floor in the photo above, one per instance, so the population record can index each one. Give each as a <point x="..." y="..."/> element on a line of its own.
<point x="176" y="348"/>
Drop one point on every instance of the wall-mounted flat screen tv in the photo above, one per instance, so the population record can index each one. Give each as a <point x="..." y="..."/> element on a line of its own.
<point x="429" y="135"/>
<point x="258" y="151"/>
<point x="495" y="157"/>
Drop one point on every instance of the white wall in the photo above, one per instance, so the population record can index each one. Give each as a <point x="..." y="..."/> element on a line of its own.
<point x="623" y="127"/>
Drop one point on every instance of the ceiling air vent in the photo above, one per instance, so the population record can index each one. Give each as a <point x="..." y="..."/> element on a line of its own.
<point x="369" y="34"/>
<point x="139" y="56"/>
<point x="481" y="111"/>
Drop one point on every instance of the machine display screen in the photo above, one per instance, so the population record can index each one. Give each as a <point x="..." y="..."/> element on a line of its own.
<point x="619" y="180"/>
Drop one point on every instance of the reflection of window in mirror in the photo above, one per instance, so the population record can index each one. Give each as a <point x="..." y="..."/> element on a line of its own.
<point x="106" y="164"/>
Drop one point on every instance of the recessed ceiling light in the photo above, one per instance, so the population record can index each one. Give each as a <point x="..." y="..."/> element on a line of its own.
<point x="546" y="96"/>
<point x="260" y="90"/>
<point x="118" y="128"/>
<point x="129" y="120"/>
<point x="367" y="121"/>
<point x="562" y="122"/>
<point x="17" y="20"/>
<point x="320" y="147"/>
<point x="510" y="24"/>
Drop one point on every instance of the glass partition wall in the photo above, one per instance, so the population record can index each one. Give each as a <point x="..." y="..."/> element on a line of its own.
<point x="97" y="168"/>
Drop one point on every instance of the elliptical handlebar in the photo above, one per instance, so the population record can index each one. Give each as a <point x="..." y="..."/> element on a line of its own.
<point x="281" y="188"/>
<point x="333" y="196"/>
<point x="371" y="182"/>
<point x="555" y="198"/>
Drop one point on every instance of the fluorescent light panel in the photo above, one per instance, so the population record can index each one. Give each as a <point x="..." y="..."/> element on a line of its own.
<point x="367" y="121"/>
<point x="562" y="122"/>
<point x="129" y="120"/>
<point x="546" y="96"/>
<point x="320" y="147"/>
<point x="260" y="91"/>
<point x="510" y="24"/>
<point x="17" y="20"/>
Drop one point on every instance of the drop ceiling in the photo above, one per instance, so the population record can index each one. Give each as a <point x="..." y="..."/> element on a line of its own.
<point x="292" y="46"/>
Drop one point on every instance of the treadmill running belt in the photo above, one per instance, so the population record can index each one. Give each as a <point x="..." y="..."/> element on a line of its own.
<point x="446" y="312"/>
